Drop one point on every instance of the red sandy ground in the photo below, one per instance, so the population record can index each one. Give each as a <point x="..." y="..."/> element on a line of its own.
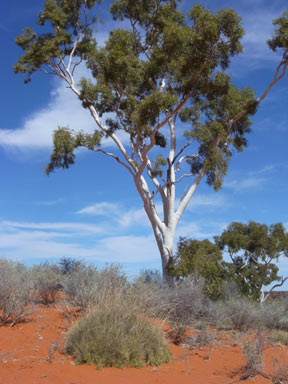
<point x="27" y="356"/>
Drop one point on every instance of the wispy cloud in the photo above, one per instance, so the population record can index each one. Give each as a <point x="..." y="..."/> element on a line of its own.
<point x="211" y="200"/>
<point x="60" y="226"/>
<point x="266" y="169"/>
<point x="120" y="215"/>
<point x="23" y="240"/>
<point x="245" y="184"/>
<point x="133" y="217"/>
<point x="100" y="209"/>
<point x="191" y="230"/>
<point x="49" y="203"/>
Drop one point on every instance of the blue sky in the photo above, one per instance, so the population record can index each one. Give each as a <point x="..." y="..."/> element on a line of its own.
<point x="92" y="211"/>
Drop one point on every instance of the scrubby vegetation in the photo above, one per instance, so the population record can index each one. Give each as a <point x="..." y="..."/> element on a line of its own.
<point x="116" y="315"/>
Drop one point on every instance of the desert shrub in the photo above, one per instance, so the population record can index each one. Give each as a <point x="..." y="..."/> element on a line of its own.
<point x="150" y="276"/>
<point x="218" y="315"/>
<point x="87" y="286"/>
<point x="47" y="281"/>
<point x="116" y="336"/>
<point x="67" y="265"/>
<point x="243" y="314"/>
<point x="81" y="286"/>
<point x="274" y="314"/>
<point x="253" y="352"/>
<point x="15" y="292"/>
<point x="153" y="295"/>
<point x="187" y="301"/>
<point x="280" y="371"/>
<point x="200" y="340"/>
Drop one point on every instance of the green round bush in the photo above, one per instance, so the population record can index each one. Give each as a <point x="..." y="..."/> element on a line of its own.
<point x="114" y="338"/>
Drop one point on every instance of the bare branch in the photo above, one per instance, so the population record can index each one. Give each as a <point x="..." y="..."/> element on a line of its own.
<point x="114" y="157"/>
<point x="183" y="158"/>
<point x="183" y="176"/>
<point x="276" y="78"/>
<point x="275" y="286"/>
<point x="284" y="64"/>
<point x="181" y="151"/>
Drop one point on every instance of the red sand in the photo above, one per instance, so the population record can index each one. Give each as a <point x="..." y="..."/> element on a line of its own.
<point x="28" y="356"/>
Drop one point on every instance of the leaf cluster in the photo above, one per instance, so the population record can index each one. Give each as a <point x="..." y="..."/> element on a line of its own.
<point x="63" y="20"/>
<point x="65" y="142"/>
<point x="280" y="36"/>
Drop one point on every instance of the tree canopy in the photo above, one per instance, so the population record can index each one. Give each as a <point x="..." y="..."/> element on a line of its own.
<point x="254" y="250"/>
<point x="161" y="76"/>
<point x="201" y="258"/>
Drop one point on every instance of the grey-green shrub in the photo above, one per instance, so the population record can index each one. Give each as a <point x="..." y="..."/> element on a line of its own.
<point x="15" y="292"/>
<point x="274" y="314"/>
<point x="47" y="281"/>
<point x="187" y="301"/>
<point x="115" y="336"/>
<point x="243" y="314"/>
<point x="87" y="286"/>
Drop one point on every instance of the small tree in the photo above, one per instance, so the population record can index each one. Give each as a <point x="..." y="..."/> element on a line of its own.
<point x="254" y="248"/>
<point x="161" y="77"/>
<point x="200" y="258"/>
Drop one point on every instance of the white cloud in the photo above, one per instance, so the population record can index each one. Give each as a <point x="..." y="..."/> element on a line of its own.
<point x="65" y="110"/>
<point x="28" y="241"/>
<point x="121" y="215"/>
<point x="258" y="29"/>
<point x="100" y="209"/>
<point x="212" y="200"/>
<point x="65" y="227"/>
<point x="133" y="217"/>
<point x="191" y="230"/>
<point x="128" y="249"/>
<point x="245" y="184"/>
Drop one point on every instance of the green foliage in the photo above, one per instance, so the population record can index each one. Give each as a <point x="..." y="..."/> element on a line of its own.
<point x="254" y="248"/>
<point x="66" y="19"/>
<point x="200" y="258"/>
<point x="280" y="37"/>
<point x="189" y="53"/>
<point x="65" y="142"/>
<point x="209" y="115"/>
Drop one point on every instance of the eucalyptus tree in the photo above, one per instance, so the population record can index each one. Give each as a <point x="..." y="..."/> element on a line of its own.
<point x="160" y="76"/>
<point x="254" y="249"/>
